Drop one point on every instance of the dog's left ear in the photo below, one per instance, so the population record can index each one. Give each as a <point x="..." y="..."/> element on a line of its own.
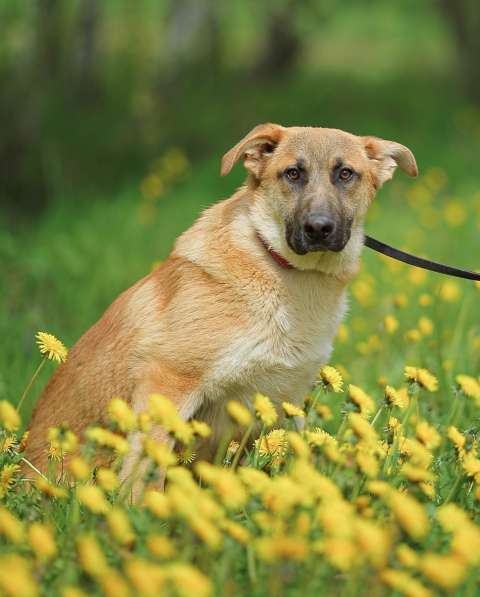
<point x="254" y="148"/>
<point x="386" y="156"/>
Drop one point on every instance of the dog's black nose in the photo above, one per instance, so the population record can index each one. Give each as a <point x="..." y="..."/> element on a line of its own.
<point x="318" y="227"/>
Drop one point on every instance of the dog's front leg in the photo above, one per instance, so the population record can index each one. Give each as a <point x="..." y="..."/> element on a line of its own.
<point x="135" y="464"/>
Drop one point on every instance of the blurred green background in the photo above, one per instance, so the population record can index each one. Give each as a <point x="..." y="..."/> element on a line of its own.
<point x="114" y="115"/>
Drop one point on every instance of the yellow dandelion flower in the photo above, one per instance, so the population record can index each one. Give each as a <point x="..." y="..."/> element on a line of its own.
<point x="159" y="452"/>
<point x="239" y="413"/>
<point x="10" y="527"/>
<point x="417" y="453"/>
<point x="79" y="468"/>
<point x="51" y="347"/>
<point x="324" y="412"/>
<point x="298" y="445"/>
<point x="450" y="291"/>
<point x="232" y="450"/>
<point x="362" y="428"/>
<point x="113" y="584"/>
<point x="265" y="410"/>
<point x="394" y="425"/>
<point x="374" y="541"/>
<point x="445" y="571"/>
<point x="206" y="531"/>
<point x="465" y="543"/>
<point x="236" y="531"/>
<point x="255" y="480"/>
<point x="146" y="577"/>
<point x="425" y="300"/>
<point x="107" y="479"/>
<point x="144" y="422"/>
<point x="403" y="582"/>
<point x="457" y="438"/>
<point x="367" y="463"/>
<point x="188" y="581"/>
<point x="379" y="488"/>
<point x="90" y="556"/>
<point x="273" y="444"/>
<point x="23" y="441"/>
<point x="361" y="399"/>
<point x="331" y="378"/>
<point x="416" y="474"/>
<point x="417" y="276"/>
<point x="8" y="444"/>
<point x="423" y="377"/>
<point x="42" y="541"/>
<point x="162" y="410"/>
<point x="120" y="527"/>
<point x="160" y="546"/>
<point x="122" y="415"/>
<point x="396" y="397"/>
<point x="291" y="410"/>
<point x="9" y="418"/>
<point x="108" y="439"/>
<point x="469" y="386"/>
<point x="281" y="547"/>
<point x="93" y="498"/>
<point x="428" y="435"/>
<point x="452" y="517"/>
<point x="201" y="429"/>
<point x="425" y="325"/>
<point x="340" y="553"/>
<point x="471" y="465"/>
<point x="50" y="489"/>
<point x="158" y="503"/>
<point x="407" y="556"/>
<point x="16" y="578"/>
<point x="343" y="333"/>
<point x="390" y="323"/>
<point x="186" y="455"/>
<point x="409" y="513"/>
<point x="62" y="440"/>
<point x="413" y="336"/>
<point x="8" y="478"/>
<point x="400" y="300"/>
<point x="226" y="484"/>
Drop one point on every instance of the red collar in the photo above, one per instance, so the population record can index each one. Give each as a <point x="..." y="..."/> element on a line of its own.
<point x="282" y="262"/>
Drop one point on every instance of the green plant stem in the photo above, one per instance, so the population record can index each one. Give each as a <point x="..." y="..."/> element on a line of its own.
<point x="454" y="488"/>
<point x="30" y="383"/>
<point x="242" y="445"/>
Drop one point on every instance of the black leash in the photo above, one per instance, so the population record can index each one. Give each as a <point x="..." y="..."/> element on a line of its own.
<point x="433" y="266"/>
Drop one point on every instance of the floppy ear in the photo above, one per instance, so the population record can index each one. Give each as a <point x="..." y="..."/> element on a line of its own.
<point x="254" y="148"/>
<point x="386" y="156"/>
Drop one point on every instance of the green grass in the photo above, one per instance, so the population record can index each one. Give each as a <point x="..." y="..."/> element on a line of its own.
<point x="61" y="271"/>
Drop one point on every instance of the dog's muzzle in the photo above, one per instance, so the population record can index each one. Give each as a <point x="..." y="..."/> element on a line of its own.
<point x="317" y="232"/>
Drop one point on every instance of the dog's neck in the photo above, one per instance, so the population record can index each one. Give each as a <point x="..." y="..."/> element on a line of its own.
<point x="270" y="229"/>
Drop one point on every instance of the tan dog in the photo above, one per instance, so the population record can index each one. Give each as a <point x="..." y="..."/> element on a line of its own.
<point x="248" y="301"/>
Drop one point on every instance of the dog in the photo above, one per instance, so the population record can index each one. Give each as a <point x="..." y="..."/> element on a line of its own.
<point x="249" y="299"/>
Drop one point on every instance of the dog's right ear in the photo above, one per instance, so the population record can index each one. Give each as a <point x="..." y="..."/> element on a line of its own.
<point x="254" y="148"/>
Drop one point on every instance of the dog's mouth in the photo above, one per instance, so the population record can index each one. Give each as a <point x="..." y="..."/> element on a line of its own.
<point x="301" y="243"/>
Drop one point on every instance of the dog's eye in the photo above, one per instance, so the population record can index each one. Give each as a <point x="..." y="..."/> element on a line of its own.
<point x="345" y="174"/>
<point x="292" y="174"/>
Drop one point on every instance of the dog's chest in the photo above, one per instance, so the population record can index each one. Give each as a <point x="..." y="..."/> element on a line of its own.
<point x="290" y="334"/>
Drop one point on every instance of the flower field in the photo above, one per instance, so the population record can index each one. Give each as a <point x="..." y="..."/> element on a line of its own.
<point x="372" y="486"/>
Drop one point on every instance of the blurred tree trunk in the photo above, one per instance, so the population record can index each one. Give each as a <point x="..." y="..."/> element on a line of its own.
<point x="282" y="42"/>
<point x="192" y="38"/>
<point x="86" y="51"/>
<point x="48" y="38"/>
<point x="463" y="18"/>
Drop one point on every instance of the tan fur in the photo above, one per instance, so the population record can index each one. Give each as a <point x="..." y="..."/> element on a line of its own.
<point x="220" y="318"/>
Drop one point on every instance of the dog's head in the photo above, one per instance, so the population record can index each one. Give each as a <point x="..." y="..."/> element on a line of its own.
<point x="316" y="183"/>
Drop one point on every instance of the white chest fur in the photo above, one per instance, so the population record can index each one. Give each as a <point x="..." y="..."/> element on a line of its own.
<point x="289" y="337"/>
